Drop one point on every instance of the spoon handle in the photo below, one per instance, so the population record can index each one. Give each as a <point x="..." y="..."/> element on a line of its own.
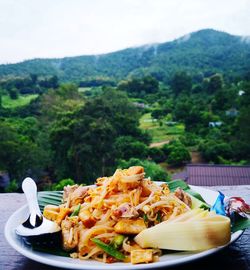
<point x="30" y="190"/>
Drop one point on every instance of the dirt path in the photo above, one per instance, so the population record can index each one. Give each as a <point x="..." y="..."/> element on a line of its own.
<point x="158" y="144"/>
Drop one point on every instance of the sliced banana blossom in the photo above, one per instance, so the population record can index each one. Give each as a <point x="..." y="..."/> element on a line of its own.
<point x="195" y="230"/>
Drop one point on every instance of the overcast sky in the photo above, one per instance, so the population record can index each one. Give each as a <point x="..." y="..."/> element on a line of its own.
<point x="58" y="28"/>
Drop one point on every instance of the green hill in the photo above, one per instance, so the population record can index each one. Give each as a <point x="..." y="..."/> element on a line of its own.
<point x="204" y="51"/>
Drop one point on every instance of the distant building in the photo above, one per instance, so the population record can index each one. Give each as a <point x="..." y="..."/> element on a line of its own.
<point x="232" y="112"/>
<point x="241" y="92"/>
<point x="215" y="124"/>
<point x="149" y="120"/>
<point x="215" y="175"/>
<point x="141" y="105"/>
<point x="171" y="123"/>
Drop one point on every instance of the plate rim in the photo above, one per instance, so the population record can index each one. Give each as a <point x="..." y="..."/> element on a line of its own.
<point x="50" y="260"/>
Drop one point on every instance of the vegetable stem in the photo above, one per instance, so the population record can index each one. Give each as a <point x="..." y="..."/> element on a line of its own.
<point x="108" y="249"/>
<point x="76" y="211"/>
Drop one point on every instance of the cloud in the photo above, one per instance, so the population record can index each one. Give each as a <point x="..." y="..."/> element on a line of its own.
<point x="245" y="39"/>
<point x="184" y="38"/>
<point x="58" y="28"/>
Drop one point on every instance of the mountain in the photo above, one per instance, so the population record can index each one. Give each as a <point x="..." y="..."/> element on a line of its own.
<point x="205" y="51"/>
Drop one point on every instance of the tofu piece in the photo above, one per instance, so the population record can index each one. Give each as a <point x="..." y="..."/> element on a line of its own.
<point x="86" y="218"/>
<point x="141" y="256"/>
<point x="51" y="212"/>
<point x="130" y="226"/>
<point x="62" y="214"/>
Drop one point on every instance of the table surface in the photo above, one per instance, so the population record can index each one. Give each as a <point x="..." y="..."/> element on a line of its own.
<point x="236" y="256"/>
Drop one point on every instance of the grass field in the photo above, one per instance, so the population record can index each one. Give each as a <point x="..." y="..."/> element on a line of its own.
<point x="159" y="132"/>
<point x="22" y="100"/>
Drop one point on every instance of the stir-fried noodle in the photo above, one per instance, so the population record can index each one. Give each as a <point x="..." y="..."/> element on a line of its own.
<point x="118" y="207"/>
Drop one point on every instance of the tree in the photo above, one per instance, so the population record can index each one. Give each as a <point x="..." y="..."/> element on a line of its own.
<point x="158" y="113"/>
<point x="150" y="84"/>
<point x="225" y="98"/>
<point x="51" y="82"/>
<point x="19" y="155"/>
<point x="220" y="102"/>
<point x="215" y="83"/>
<point x="140" y="87"/>
<point x="54" y="82"/>
<point x="115" y="106"/>
<point x="188" y="111"/>
<point x="9" y="147"/>
<point x="177" y="154"/>
<point x="189" y="139"/>
<point x="83" y="140"/>
<point x="13" y="93"/>
<point x="242" y="128"/>
<point x="97" y="81"/>
<point x="127" y="147"/>
<point x="152" y="170"/>
<point x="156" y="154"/>
<point x="33" y="78"/>
<point x="54" y="103"/>
<point x="211" y="151"/>
<point x="243" y="122"/>
<point x="181" y="82"/>
<point x="62" y="183"/>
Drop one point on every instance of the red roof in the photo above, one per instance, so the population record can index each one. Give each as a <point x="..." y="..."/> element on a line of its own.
<point x="217" y="175"/>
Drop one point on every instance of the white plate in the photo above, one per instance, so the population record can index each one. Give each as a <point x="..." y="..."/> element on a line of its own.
<point x="64" y="262"/>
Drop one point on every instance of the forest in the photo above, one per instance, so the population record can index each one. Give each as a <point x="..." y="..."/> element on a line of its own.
<point x="78" y="122"/>
<point x="66" y="133"/>
<point x="202" y="52"/>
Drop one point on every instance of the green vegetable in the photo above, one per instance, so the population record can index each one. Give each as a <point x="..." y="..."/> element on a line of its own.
<point x="118" y="240"/>
<point x="199" y="202"/>
<point x="145" y="217"/>
<point x="108" y="249"/>
<point x="76" y="211"/>
<point x="174" y="184"/>
<point x="158" y="218"/>
<point x="196" y="203"/>
<point x="240" y="224"/>
<point x="195" y="194"/>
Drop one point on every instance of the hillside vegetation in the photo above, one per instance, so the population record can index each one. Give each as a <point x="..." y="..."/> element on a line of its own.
<point x="22" y="100"/>
<point x="188" y="96"/>
<point x="200" y="53"/>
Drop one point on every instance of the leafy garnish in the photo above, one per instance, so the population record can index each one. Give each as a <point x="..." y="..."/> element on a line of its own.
<point x="49" y="197"/>
<point x="237" y="224"/>
<point x="158" y="217"/>
<point x="240" y="224"/>
<point x="54" y="251"/>
<point x="174" y="184"/>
